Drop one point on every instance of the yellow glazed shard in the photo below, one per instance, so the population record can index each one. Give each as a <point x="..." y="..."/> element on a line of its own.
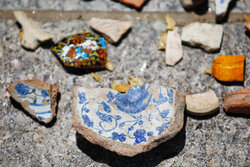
<point x="229" y="68"/>
<point x="170" y="22"/>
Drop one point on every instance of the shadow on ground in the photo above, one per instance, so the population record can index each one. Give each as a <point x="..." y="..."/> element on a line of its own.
<point x="151" y="158"/>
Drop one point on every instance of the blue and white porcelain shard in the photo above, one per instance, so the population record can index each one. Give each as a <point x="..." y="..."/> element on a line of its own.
<point x="221" y="7"/>
<point x="37" y="97"/>
<point x="38" y="100"/>
<point x="136" y="119"/>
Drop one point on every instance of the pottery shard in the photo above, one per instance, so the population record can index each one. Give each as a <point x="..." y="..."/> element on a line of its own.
<point x="237" y="102"/>
<point x="31" y="35"/>
<point x="135" y="3"/>
<point x="221" y="7"/>
<point x="173" y="48"/>
<point x="203" y="103"/>
<point x="192" y="3"/>
<point x="130" y="123"/>
<point x="204" y="35"/>
<point x="38" y="98"/>
<point x="111" y="30"/>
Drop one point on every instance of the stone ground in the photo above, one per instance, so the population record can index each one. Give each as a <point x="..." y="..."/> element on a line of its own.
<point x="217" y="140"/>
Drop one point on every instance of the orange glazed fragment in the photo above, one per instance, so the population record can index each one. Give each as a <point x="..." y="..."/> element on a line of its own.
<point x="229" y="68"/>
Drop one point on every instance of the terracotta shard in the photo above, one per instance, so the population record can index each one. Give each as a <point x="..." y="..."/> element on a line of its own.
<point x="111" y="30"/>
<point x="229" y="68"/>
<point x="83" y="50"/>
<point x="173" y="48"/>
<point x="131" y="123"/>
<point x="135" y="3"/>
<point x="37" y="97"/>
<point x="237" y="102"/>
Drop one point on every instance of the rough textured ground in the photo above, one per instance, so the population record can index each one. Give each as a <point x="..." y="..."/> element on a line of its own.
<point x="109" y="5"/>
<point x="219" y="140"/>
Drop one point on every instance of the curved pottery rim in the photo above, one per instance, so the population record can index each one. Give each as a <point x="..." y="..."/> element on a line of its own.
<point x="127" y="149"/>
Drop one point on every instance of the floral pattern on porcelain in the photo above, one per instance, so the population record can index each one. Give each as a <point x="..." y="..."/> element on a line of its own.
<point x="131" y="118"/>
<point x="39" y="100"/>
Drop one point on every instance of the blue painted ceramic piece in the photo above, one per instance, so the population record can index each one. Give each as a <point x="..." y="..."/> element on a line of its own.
<point x="132" y="118"/>
<point x="38" y="100"/>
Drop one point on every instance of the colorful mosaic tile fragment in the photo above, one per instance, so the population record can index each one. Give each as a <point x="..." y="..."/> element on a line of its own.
<point x="83" y="50"/>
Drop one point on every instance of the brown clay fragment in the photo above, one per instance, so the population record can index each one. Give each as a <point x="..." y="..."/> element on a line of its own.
<point x="237" y="102"/>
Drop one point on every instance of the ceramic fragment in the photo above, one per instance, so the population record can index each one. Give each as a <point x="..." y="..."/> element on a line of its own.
<point x="202" y="103"/>
<point x="83" y="50"/>
<point x="38" y="98"/>
<point x="97" y="77"/>
<point x="162" y="42"/>
<point x="136" y="3"/>
<point x="170" y="22"/>
<point x="247" y="24"/>
<point x="192" y="3"/>
<point x="237" y="102"/>
<point x="133" y="81"/>
<point x="204" y="35"/>
<point x="221" y="7"/>
<point x="229" y="68"/>
<point x="109" y="65"/>
<point x="173" y="48"/>
<point x="111" y="30"/>
<point x="122" y="88"/>
<point x="31" y="35"/>
<point x="129" y="123"/>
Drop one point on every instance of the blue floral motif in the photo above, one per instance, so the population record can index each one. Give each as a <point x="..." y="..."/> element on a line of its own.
<point x="82" y="97"/>
<point x="139" y="136"/>
<point x="104" y="117"/>
<point x="164" y="113"/>
<point x="162" y="128"/>
<point x="121" y="137"/>
<point x="132" y="102"/>
<point x="162" y="99"/>
<point x="22" y="89"/>
<point x="44" y="93"/>
<point x="110" y="96"/>
<point x="150" y="133"/>
<point x="170" y="93"/>
<point x="106" y="107"/>
<point x="87" y="121"/>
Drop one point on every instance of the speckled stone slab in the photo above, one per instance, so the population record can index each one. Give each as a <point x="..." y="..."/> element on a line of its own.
<point x="83" y="50"/>
<point x="129" y="123"/>
<point x="37" y="97"/>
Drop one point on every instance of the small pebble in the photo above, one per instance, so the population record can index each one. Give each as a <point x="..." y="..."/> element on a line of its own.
<point x="203" y="103"/>
<point x="16" y="63"/>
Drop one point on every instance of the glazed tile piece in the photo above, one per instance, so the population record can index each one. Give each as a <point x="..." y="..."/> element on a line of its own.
<point x="221" y="7"/>
<point x="128" y="123"/>
<point x="83" y="50"/>
<point x="36" y="97"/>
